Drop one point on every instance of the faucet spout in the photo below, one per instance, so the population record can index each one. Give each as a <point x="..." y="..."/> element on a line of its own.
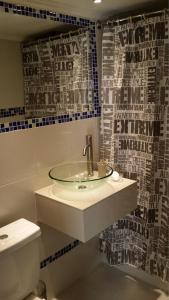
<point x="88" y="151"/>
<point x="85" y="149"/>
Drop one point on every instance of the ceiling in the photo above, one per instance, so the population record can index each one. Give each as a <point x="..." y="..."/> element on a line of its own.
<point x="19" y="28"/>
<point x="86" y="8"/>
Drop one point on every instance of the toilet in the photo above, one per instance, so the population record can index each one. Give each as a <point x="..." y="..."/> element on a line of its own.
<point x="19" y="260"/>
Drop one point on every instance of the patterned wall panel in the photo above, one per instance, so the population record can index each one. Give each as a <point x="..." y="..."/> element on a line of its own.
<point x="135" y="138"/>
<point x="58" y="75"/>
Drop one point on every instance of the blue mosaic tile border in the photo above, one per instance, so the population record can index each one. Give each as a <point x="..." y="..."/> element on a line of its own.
<point x="45" y="121"/>
<point x="12" y="111"/>
<point x="58" y="254"/>
<point x="67" y="19"/>
<point x="44" y="14"/>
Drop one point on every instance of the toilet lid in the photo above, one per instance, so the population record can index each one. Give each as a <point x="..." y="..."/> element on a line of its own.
<point x="17" y="234"/>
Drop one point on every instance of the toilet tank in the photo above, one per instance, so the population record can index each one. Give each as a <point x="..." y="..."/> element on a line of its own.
<point x="19" y="259"/>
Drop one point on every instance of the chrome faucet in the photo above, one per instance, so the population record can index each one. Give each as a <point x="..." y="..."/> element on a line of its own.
<point x="88" y="151"/>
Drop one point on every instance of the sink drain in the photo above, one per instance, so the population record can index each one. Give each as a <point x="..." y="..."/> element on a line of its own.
<point x="82" y="187"/>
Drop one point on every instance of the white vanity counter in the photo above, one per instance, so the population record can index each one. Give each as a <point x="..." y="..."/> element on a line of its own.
<point x="83" y="213"/>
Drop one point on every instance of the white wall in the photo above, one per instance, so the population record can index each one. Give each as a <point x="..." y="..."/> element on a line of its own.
<point x="63" y="272"/>
<point x="26" y="157"/>
<point x="11" y="75"/>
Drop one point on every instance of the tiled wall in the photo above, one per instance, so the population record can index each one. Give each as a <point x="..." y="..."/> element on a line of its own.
<point x="26" y="157"/>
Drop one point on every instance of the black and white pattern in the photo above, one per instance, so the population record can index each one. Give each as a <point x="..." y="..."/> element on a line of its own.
<point x="58" y="76"/>
<point x="135" y="138"/>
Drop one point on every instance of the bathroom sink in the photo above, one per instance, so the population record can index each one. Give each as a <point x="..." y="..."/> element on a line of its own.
<point x="75" y="174"/>
<point x="84" y="199"/>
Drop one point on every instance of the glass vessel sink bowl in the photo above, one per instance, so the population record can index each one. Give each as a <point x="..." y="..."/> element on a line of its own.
<point x="76" y="173"/>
